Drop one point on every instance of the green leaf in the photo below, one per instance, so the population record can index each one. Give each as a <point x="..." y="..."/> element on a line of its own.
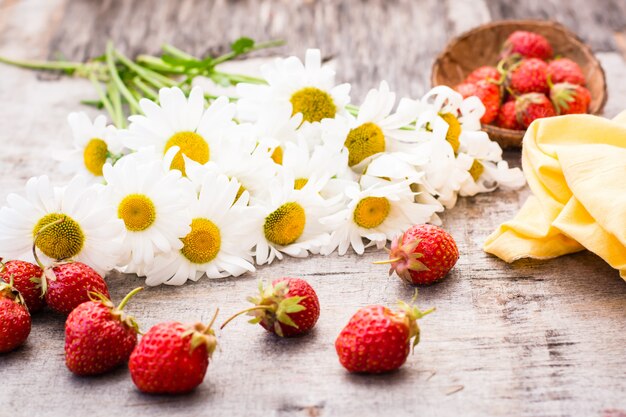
<point x="242" y="45"/>
<point x="295" y="308"/>
<point x="172" y="60"/>
<point x="285" y="319"/>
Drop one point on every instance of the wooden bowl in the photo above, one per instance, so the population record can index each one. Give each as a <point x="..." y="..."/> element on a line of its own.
<point x="481" y="46"/>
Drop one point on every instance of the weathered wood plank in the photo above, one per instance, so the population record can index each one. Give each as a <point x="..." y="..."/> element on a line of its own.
<point x="529" y="339"/>
<point x="355" y="33"/>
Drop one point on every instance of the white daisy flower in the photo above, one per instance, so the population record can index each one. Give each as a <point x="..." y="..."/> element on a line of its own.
<point x="376" y="129"/>
<point x="253" y="169"/>
<point x="486" y="168"/>
<point x="291" y="219"/>
<point x="445" y="173"/>
<point x="220" y="241"/>
<point x="153" y="204"/>
<point x="377" y="212"/>
<point x="395" y="168"/>
<point x="183" y="122"/>
<point x="275" y="127"/>
<point x="94" y="145"/>
<point x="459" y="115"/>
<point x="321" y="163"/>
<point x="399" y="166"/>
<point x="308" y="88"/>
<point x="86" y="231"/>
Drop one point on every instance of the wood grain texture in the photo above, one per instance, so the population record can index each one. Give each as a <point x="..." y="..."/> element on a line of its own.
<point x="528" y="339"/>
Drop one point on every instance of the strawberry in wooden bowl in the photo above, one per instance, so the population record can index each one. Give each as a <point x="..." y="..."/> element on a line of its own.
<point x="539" y="69"/>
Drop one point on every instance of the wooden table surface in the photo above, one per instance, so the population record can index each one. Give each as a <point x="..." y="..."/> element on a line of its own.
<point x="530" y="339"/>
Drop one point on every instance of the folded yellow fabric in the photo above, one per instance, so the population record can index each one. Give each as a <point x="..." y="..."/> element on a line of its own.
<point x="576" y="169"/>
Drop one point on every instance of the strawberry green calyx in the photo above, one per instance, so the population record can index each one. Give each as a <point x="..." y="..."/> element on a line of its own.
<point x="272" y="307"/>
<point x="203" y="335"/>
<point x="7" y="290"/>
<point x="403" y="260"/>
<point x="117" y="312"/>
<point x="411" y="313"/>
<point x="562" y="95"/>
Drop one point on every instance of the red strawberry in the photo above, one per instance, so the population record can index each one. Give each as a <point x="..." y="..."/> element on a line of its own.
<point x="377" y="339"/>
<point x="507" y="117"/>
<point x="26" y="279"/>
<point x="172" y="358"/>
<point x="486" y="72"/>
<point x="466" y="89"/>
<point x="14" y="318"/>
<point x="564" y="70"/>
<point x="488" y="93"/>
<point x="528" y="45"/>
<point x="99" y="336"/>
<point x="532" y="106"/>
<point x="570" y="98"/>
<point x="288" y="307"/>
<point x="528" y="76"/>
<point x="68" y="284"/>
<point x="423" y="254"/>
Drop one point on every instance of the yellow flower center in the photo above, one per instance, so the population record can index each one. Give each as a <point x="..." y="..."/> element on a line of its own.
<point x="476" y="170"/>
<point x="371" y="211"/>
<point x="59" y="241"/>
<point x="364" y="141"/>
<point x="313" y="103"/>
<point x="137" y="211"/>
<point x="277" y="155"/>
<point x="454" y="131"/>
<point x="192" y="145"/>
<point x="203" y="243"/>
<point x="95" y="156"/>
<point x="300" y="183"/>
<point x="285" y="225"/>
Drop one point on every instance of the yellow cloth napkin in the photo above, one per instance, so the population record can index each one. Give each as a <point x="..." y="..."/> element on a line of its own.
<point x="576" y="169"/>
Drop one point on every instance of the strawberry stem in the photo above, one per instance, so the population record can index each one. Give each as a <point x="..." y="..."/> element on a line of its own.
<point x="128" y="297"/>
<point x="44" y="280"/>
<point x="208" y="327"/>
<point x="388" y="261"/>
<point x="254" y="308"/>
<point x="49" y="225"/>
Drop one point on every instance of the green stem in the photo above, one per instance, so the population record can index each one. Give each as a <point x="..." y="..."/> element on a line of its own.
<point x="262" y="45"/>
<point x="128" y="297"/>
<point x="352" y="109"/>
<point x="152" y="77"/>
<point x="116" y="101"/>
<point x="103" y="97"/>
<point x="387" y="261"/>
<point x="146" y="89"/>
<point x="208" y="327"/>
<point x="95" y="103"/>
<point x="176" y="53"/>
<point x="115" y="76"/>
<point x="43" y="65"/>
<point x="159" y="65"/>
<point x="244" y="312"/>
<point x="240" y="78"/>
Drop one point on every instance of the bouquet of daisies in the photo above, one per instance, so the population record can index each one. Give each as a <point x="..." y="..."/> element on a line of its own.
<point x="289" y="168"/>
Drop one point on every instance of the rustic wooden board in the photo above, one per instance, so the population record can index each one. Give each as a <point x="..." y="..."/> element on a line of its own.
<point x="529" y="339"/>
